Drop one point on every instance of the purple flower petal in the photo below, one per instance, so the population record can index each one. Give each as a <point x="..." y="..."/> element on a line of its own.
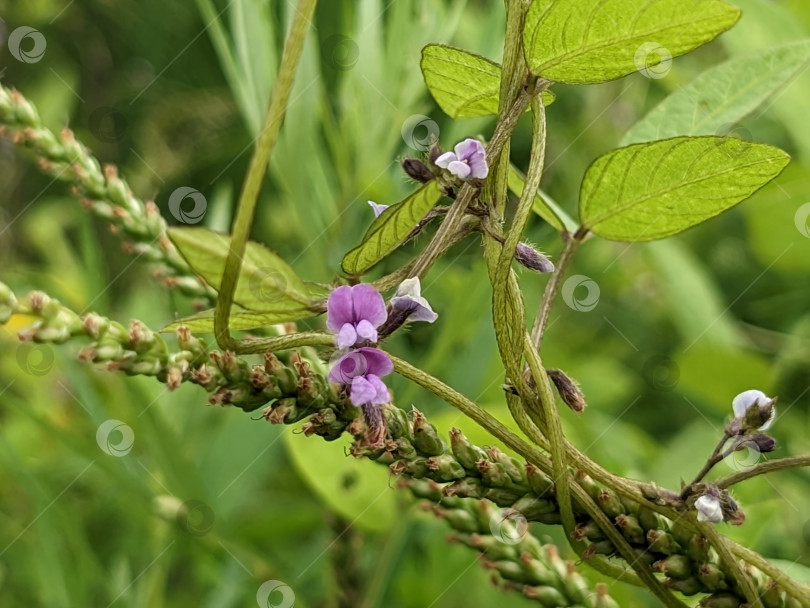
<point x="360" y="362"/>
<point x="409" y="297"/>
<point x="466" y="149"/>
<point x="445" y="159"/>
<point x="746" y="399"/>
<point x="381" y="394"/>
<point x="339" y="309"/>
<point x="366" y="331"/>
<point x="459" y="168"/>
<point x="368" y="305"/>
<point x="377" y="208"/>
<point x="347" y="336"/>
<point x="362" y="392"/>
<point x="478" y="167"/>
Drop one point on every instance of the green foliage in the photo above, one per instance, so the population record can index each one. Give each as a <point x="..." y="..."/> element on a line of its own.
<point x="652" y="190"/>
<point x="585" y="42"/>
<point x="462" y="83"/>
<point x="543" y="206"/>
<point x="239" y="319"/>
<point x="715" y="101"/>
<point x="394" y="226"/>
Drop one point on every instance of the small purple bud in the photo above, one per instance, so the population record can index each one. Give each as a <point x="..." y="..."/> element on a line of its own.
<point x="569" y="390"/>
<point x="377" y="208"/>
<point x="417" y="170"/>
<point x="468" y="160"/>
<point x="532" y="259"/>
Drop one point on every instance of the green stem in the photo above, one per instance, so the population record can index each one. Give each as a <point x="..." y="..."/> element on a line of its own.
<point x="276" y="343"/>
<point x="731" y="563"/>
<point x="764" y="467"/>
<point x="258" y="168"/>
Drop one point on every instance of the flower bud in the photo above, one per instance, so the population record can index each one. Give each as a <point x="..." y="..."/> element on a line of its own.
<point x="675" y="566"/>
<point x="417" y="170"/>
<point x="662" y="542"/>
<point x="425" y="437"/>
<point x="532" y="259"/>
<point x="569" y="390"/>
<point x="444" y="468"/>
<point x="630" y="529"/>
<point x="687" y="586"/>
<point x="465" y="452"/>
<point x="721" y="600"/>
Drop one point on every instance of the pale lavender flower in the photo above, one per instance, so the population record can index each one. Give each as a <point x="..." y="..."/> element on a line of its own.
<point x="469" y="159"/>
<point x="754" y="398"/>
<point x="408" y="297"/>
<point x="709" y="509"/>
<point x="355" y="313"/>
<point x="361" y="369"/>
<point x="377" y="208"/>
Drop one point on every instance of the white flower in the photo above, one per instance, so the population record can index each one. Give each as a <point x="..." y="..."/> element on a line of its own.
<point x="753" y="398"/>
<point x="409" y="297"/>
<point x="377" y="208"/>
<point x="709" y="509"/>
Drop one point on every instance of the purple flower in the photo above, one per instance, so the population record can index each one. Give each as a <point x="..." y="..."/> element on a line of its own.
<point x="409" y="298"/>
<point x="764" y="414"/>
<point x="468" y="160"/>
<point x="355" y="313"/>
<point x="361" y="369"/>
<point x="377" y="208"/>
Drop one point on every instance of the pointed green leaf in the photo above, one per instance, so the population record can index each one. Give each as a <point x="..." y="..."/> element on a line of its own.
<point x="395" y="224"/>
<point x="203" y="322"/>
<point x="266" y="282"/>
<point x="714" y="101"/>
<point x="462" y="83"/>
<point x="652" y="190"/>
<point x="590" y="41"/>
<point x="543" y="205"/>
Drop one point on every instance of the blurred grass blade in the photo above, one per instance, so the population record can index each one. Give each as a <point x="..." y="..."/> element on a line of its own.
<point x="462" y="83"/>
<point x="590" y="41"/>
<point x="652" y="190"/>
<point x="543" y="206"/>
<point x="266" y="282"/>
<point x="722" y="95"/>
<point x="203" y="322"/>
<point x="395" y="224"/>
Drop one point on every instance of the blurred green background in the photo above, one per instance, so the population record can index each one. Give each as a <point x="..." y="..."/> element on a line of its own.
<point x="173" y="93"/>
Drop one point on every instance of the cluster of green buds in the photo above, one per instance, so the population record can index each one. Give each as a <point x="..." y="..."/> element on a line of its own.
<point x="101" y="191"/>
<point x="467" y="485"/>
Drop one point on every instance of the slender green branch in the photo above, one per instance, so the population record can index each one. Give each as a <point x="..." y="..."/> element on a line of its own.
<point x="258" y="167"/>
<point x="764" y="467"/>
<point x="287" y="341"/>
<point x="732" y="564"/>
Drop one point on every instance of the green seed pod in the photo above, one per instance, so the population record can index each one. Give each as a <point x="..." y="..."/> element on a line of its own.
<point x="510" y="465"/>
<point x="662" y="542"/>
<point x="459" y="519"/>
<point x="698" y="548"/>
<point x="397" y="422"/>
<point x="609" y="503"/>
<point x="675" y="566"/>
<point x="405" y="449"/>
<point x="681" y="533"/>
<point x="599" y="547"/>
<point x="425" y="488"/>
<point x="416" y="467"/>
<point x="533" y="507"/>
<point x="590" y="530"/>
<point x="603" y="600"/>
<point x="548" y="596"/>
<point x="497" y="550"/>
<point x="501" y="497"/>
<point x="589" y="485"/>
<point x="649" y="519"/>
<point x="536" y="571"/>
<point x="712" y="577"/>
<point x="772" y="598"/>
<point x="465" y="452"/>
<point x="444" y="468"/>
<point x="493" y="474"/>
<point x="469" y="487"/>
<point x="631" y="529"/>
<point x="425" y="437"/>
<point x="721" y="600"/>
<point x="538" y="481"/>
<point x="687" y="586"/>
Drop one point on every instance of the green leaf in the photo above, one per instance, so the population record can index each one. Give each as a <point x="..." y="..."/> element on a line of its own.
<point x="590" y="41"/>
<point x="652" y="190"/>
<point x="203" y="322"/>
<point x="395" y="224"/>
<point x="723" y="95"/>
<point x="266" y="282"/>
<point x="462" y="83"/>
<point x="543" y="205"/>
